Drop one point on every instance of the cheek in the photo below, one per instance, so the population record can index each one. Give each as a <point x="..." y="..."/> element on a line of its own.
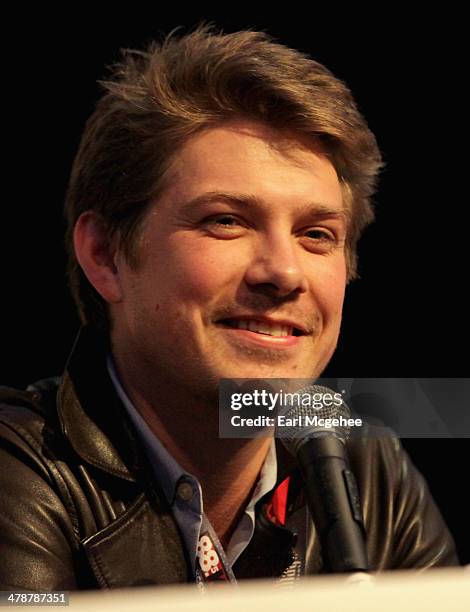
<point x="198" y="271"/>
<point x="331" y="286"/>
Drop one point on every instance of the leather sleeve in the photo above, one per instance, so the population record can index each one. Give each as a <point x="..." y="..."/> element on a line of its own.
<point x="403" y="524"/>
<point x="36" y="532"/>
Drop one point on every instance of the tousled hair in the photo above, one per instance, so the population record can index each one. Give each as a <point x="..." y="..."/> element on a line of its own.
<point x="154" y="100"/>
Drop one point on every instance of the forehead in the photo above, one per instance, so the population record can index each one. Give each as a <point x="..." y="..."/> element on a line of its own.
<point x="255" y="158"/>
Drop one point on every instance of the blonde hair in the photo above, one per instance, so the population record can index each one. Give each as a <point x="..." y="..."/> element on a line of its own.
<point x="154" y="100"/>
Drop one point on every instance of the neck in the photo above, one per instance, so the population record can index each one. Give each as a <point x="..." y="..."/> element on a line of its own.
<point x="227" y="469"/>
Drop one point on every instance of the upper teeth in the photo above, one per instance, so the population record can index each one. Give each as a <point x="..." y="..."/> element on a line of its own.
<point x="272" y="329"/>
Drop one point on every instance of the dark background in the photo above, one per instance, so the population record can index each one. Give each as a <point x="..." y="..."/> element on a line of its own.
<point x="406" y="317"/>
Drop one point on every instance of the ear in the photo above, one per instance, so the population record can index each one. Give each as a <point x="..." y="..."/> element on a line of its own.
<point x="96" y="256"/>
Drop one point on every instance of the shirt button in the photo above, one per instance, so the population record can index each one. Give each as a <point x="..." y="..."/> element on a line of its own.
<point x="185" y="491"/>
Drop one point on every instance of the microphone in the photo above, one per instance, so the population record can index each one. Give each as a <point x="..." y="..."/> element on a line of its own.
<point x="330" y="485"/>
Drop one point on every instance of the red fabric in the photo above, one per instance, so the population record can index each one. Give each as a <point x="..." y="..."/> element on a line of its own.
<point x="276" y="510"/>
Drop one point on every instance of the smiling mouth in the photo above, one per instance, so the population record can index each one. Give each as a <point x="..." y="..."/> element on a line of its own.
<point x="262" y="327"/>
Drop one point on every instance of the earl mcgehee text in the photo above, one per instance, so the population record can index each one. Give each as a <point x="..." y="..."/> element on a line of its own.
<point x="282" y="420"/>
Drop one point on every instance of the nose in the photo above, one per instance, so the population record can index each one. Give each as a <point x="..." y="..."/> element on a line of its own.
<point x="276" y="267"/>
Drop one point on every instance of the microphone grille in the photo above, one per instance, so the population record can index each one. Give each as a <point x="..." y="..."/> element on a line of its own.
<point x="302" y="429"/>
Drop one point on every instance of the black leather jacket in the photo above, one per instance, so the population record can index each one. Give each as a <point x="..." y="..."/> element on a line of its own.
<point x="80" y="508"/>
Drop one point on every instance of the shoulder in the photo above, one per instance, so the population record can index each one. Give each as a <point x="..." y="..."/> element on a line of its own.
<point x="374" y="455"/>
<point x="27" y="414"/>
<point x="37" y="397"/>
<point x="404" y="526"/>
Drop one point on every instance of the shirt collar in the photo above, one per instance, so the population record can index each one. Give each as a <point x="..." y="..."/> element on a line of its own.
<point x="168" y="469"/>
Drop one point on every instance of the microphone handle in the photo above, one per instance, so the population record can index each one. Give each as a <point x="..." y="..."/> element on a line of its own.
<point x="333" y="500"/>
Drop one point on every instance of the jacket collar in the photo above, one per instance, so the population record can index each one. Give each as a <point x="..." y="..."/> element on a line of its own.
<point x="90" y="413"/>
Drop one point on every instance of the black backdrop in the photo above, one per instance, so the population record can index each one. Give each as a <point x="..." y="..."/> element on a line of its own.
<point x="405" y="318"/>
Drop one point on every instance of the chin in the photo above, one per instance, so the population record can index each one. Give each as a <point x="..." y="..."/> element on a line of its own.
<point x="267" y="371"/>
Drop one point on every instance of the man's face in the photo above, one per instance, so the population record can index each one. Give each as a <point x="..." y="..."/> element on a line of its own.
<point x="242" y="269"/>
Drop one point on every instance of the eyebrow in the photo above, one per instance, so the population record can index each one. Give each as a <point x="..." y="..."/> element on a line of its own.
<point x="240" y="199"/>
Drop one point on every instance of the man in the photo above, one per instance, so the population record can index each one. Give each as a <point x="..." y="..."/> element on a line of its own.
<point x="214" y="207"/>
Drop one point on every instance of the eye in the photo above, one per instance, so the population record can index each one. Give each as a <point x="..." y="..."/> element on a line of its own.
<point x="322" y="234"/>
<point x="320" y="239"/>
<point x="224" y="225"/>
<point x="224" y="220"/>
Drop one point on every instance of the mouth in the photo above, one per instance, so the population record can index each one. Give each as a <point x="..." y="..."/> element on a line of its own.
<point x="264" y="327"/>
